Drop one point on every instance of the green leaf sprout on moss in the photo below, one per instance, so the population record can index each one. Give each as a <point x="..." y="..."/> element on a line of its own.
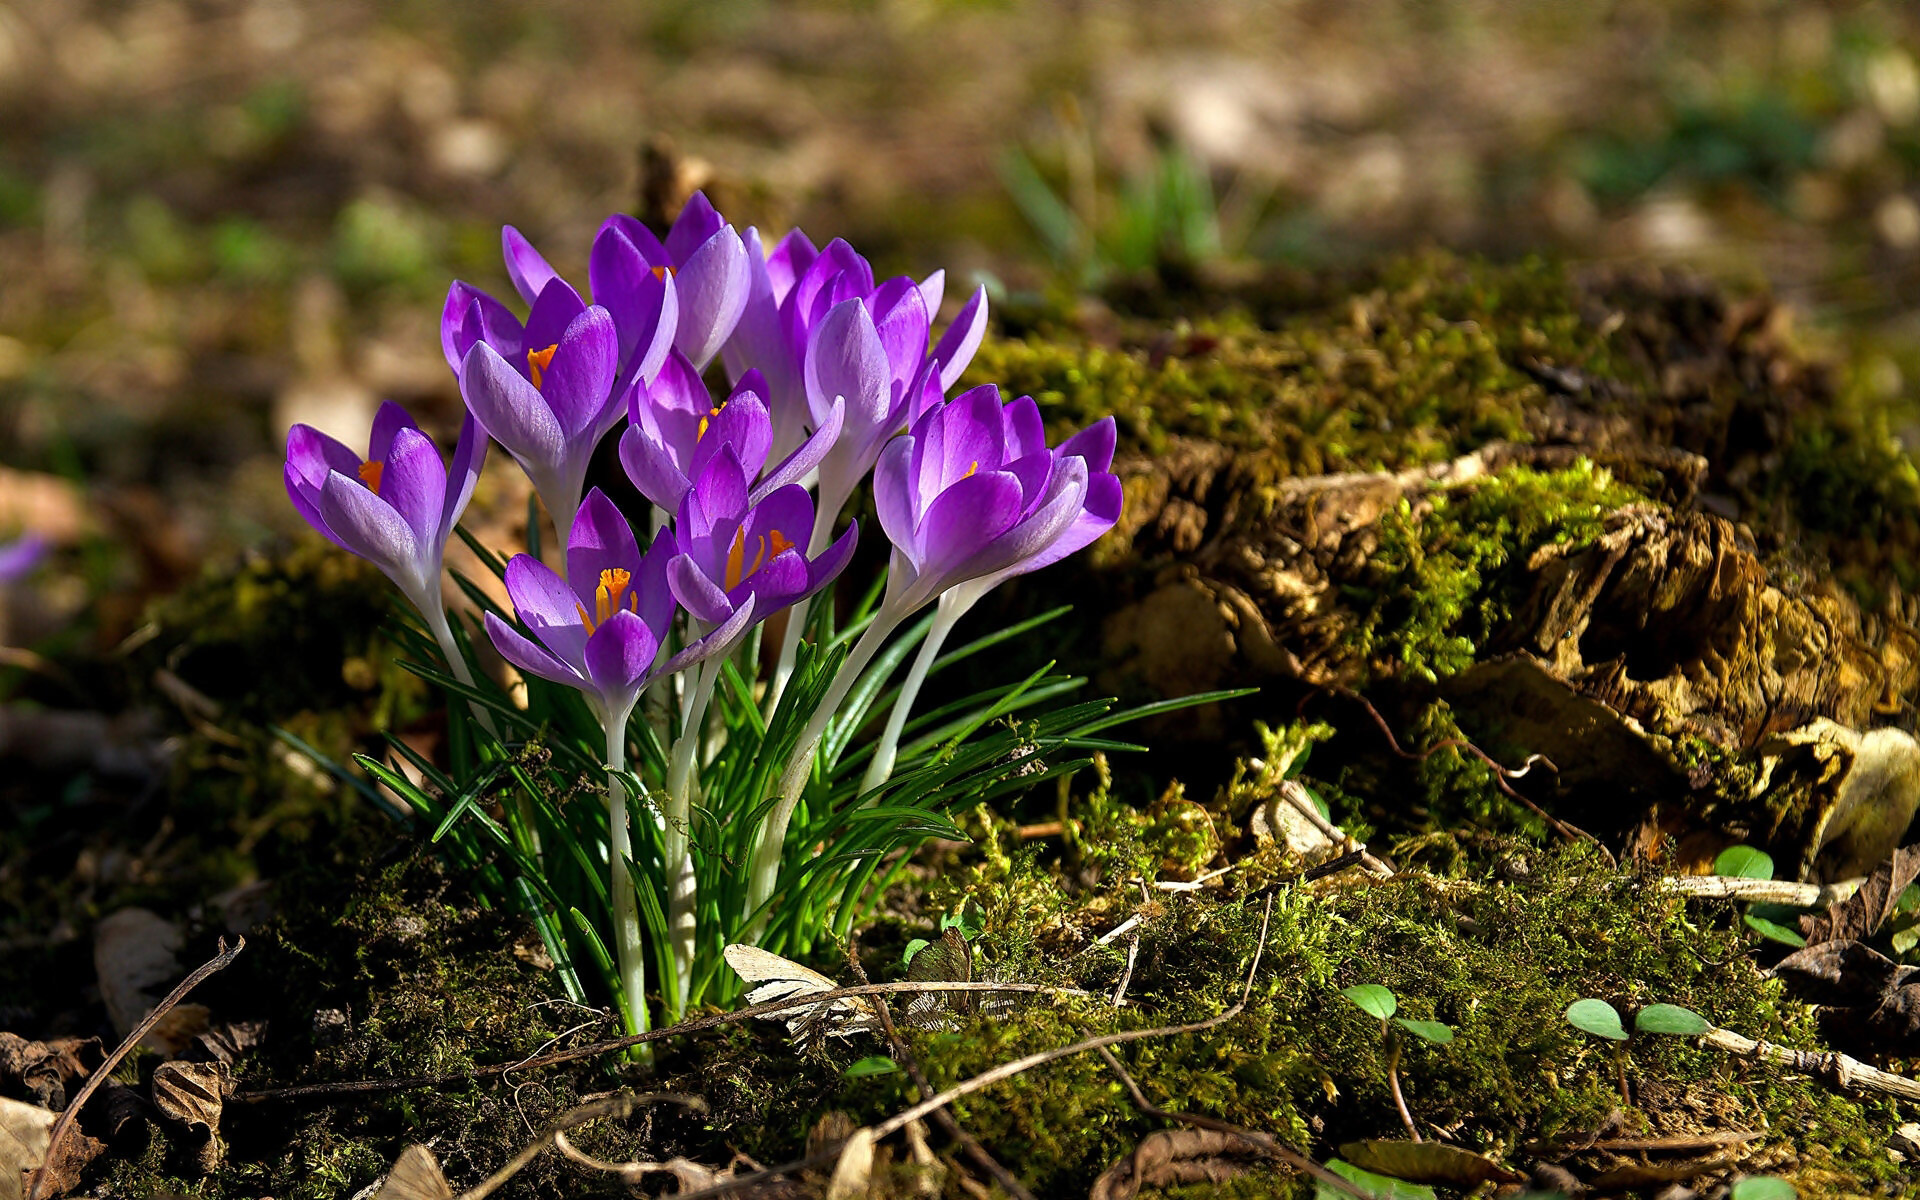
<point x="1670" y="1019"/>
<point x="1598" y="1018"/>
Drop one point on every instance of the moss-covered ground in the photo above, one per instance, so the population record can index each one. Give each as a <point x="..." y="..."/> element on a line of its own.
<point x="377" y="960"/>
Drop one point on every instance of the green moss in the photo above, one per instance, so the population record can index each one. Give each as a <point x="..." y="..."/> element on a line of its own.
<point x="1436" y="574"/>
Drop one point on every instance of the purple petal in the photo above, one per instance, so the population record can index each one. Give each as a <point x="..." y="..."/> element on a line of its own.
<point x="791" y="257"/>
<point x="1099" y="512"/>
<point x="894" y="496"/>
<point x="473" y="316"/>
<point x="719" y="493"/>
<point x="1033" y="537"/>
<point x="713" y="287"/>
<point x="619" y="657"/>
<point x="846" y="358"/>
<point x="742" y="426"/>
<point x="900" y="319"/>
<point x="1026" y="432"/>
<point x="777" y="583"/>
<point x="827" y="565"/>
<point x="509" y="408"/>
<point x="924" y="394"/>
<point x="368" y="526"/>
<point x="964" y="520"/>
<point x="312" y="454"/>
<point x="469" y="458"/>
<point x="692" y="229"/>
<point x="807" y="457"/>
<point x="721" y="640"/>
<point x="306" y="502"/>
<point x="651" y="468"/>
<point x="532" y="659"/>
<point x="414" y="481"/>
<point x="1094" y="443"/>
<point x="960" y="439"/>
<point x="558" y="306"/>
<point x="656" y="606"/>
<point x="21" y="555"/>
<point x="640" y="295"/>
<point x="547" y="606"/>
<point x="389" y="420"/>
<point x="696" y="592"/>
<point x="601" y="541"/>
<point x="962" y="339"/>
<point x="933" y="289"/>
<point x="525" y="266"/>
<point x="636" y="232"/>
<point x="578" y="382"/>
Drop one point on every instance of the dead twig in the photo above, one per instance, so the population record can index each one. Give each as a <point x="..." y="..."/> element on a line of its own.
<point x="403" y="1082"/>
<point x="1764" y="891"/>
<point x="1843" y="1072"/>
<point x="101" y="1073"/>
<point x="903" y="1053"/>
<point x="1266" y="1143"/>
<point x="1295" y="793"/>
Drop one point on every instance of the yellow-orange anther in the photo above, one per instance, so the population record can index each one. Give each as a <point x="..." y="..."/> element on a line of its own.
<point x="370" y="474"/>
<point x="764" y="548"/>
<point x="606" y="598"/>
<point x="662" y="272"/>
<point x="971" y="468"/>
<point x="539" y="360"/>
<point x="707" y="420"/>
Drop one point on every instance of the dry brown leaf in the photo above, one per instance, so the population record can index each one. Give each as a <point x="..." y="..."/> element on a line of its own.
<point x="135" y="954"/>
<point x="192" y="1094"/>
<point x="24" y="1132"/>
<point x="853" y="1174"/>
<point x="1427" y="1162"/>
<point x="228" y="1041"/>
<point x="1859" y="915"/>
<point x="43" y="1070"/>
<point x="1173" y="1157"/>
<point x="415" y="1176"/>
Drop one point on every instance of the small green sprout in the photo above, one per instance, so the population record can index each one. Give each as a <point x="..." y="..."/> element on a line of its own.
<point x="1771" y="921"/>
<point x="873" y="1064"/>
<point x="1376" y="1001"/>
<point x="1763" y="1187"/>
<point x="1597" y="1017"/>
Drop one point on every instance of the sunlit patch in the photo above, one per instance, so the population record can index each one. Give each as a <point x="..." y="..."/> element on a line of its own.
<point x="370" y="472"/>
<point x="606" y="599"/>
<point x="538" y="361"/>
<point x="764" y="548"/>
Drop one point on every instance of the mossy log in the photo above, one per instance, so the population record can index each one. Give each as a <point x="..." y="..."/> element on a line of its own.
<point x="1621" y="522"/>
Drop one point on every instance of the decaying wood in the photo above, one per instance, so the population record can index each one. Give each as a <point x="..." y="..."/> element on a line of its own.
<point x="1760" y="891"/>
<point x="1841" y="1071"/>
<point x="1172" y="1157"/>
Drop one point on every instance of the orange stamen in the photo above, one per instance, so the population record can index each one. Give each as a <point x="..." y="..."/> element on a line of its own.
<point x="539" y="360"/>
<point x="662" y="272"/>
<point x="606" y="599"/>
<point x="763" y="548"/>
<point x="974" y="466"/>
<point x="707" y="420"/>
<point x="736" y="553"/>
<point x="370" y="474"/>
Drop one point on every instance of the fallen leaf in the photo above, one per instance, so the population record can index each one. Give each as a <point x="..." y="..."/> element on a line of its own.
<point x="1840" y="973"/>
<point x="135" y="955"/>
<point x="1427" y="1162"/>
<point x="1860" y="914"/>
<point x="25" y="1130"/>
<point x="192" y="1094"/>
<point x="415" y="1176"/>
<point x="228" y="1040"/>
<point x="853" y="1173"/>
<point x="1172" y="1157"/>
<point x="43" y="1070"/>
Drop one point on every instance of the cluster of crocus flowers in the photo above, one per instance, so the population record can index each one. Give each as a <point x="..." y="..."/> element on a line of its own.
<point x="832" y="378"/>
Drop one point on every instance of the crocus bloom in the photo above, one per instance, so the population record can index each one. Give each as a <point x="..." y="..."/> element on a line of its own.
<point x="735" y="553"/>
<point x="794" y="287"/>
<point x="676" y="430"/>
<point x="972" y="493"/>
<point x="21" y="555"/>
<point x="599" y="629"/>
<point x="551" y="417"/>
<point x="706" y="259"/>
<point x="396" y="506"/>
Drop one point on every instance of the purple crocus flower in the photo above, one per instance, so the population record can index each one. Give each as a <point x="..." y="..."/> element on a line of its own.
<point x="397" y="506"/>
<point x="794" y="287"/>
<point x="707" y="260"/>
<point x="676" y="430"/>
<point x="973" y="493"/>
<point x="551" y="417"/>
<point x="600" y="629"/>
<point x="736" y="553"/>
<point x="21" y="555"/>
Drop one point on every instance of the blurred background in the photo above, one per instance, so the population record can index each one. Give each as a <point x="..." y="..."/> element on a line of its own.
<point x="221" y="216"/>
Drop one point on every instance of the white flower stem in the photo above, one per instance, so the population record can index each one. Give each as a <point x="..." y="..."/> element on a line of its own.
<point x="796" y="627"/>
<point x="952" y="608"/>
<point x="436" y="618"/>
<point x="629" y="958"/>
<point x="773" y="835"/>
<point x="676" y="843"/>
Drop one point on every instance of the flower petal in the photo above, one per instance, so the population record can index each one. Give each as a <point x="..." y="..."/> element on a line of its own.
<point x="636" y="289"/>
<point x="698" y="594"/>
<point x="827" y="565"/>
<point x="963" y="521"/>
<point x="469" y="458"/>
<point x="656" y="605"/>
<point x="894" y="496"/>
<point x="1094" y="443"/>
<point x="414" y="481"/>
<point x="473" y="316"/>
<point x="651" y="468"/>
<point x="532" y="659"/>
<point x="742" y="426"/>
<point x="312" y="454"/>
<point x="368" y="526"/>
<point x="720" y="641"/>
<point x="1026" y="432"/>
<point x="546" y="605"/>
<point x="509" y="408"/>
<point x="619" y="657"/>
<point x="691" y="230"/>
<point x="796" y="465"/>
<point x="525" y="265"/>
<point x="900" y="319"/>
<point x="933" y="289"/>
<point x="557" y="308"/>
<point x="578" y="382"/>
<point x="713" y="285"/>
<point x="958" y="344"/>
<point x="845" y="358"/>
<point x="387" y="421"/>
<point x="601" y="541"/>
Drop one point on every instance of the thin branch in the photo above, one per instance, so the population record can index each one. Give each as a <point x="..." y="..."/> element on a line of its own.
<point x="100" y="1074"/>
<point x="1295" y="793"/>
<point x="696" y="1025"/>
<point x="1845" y="1073"/>
<point x="1265" y="1142"/>
<point x="1765" y="891"/>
